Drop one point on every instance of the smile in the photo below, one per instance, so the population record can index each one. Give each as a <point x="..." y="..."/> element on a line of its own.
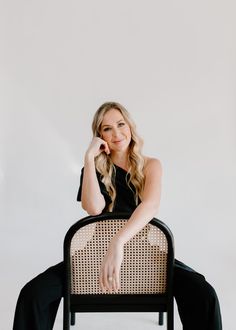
<point x="118" y="141"/>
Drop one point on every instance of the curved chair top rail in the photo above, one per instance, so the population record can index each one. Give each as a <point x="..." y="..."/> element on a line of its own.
<point x="107" y="216"/>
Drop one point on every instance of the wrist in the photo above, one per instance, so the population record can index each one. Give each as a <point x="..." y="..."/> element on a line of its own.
<point x="88" y="158"/>
<point x="117" y="240"/>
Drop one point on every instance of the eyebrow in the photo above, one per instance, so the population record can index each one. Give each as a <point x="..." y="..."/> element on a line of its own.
<point x="116" y="122"/>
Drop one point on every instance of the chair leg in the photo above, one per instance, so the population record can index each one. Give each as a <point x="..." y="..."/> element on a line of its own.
<point x="72" y="318"/>
<point x="170" y="316"/>
<point x="161" y="318"/>
<point x="66" y="314"/>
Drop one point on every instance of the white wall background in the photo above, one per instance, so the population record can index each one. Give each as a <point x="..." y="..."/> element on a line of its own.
<point x="172" y="64"/>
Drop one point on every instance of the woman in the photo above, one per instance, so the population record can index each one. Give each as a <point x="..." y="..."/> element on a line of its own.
<point x="117" y="177"/>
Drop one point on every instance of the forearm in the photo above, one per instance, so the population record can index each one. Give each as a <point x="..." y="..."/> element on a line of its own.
<point x="92" y="199"/>
<point x="141" y="216"/>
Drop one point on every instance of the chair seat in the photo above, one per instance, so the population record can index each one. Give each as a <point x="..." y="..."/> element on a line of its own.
<point x="118" y="303"/>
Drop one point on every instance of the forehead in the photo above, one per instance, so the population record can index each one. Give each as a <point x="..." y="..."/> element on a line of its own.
<point x="112" y="116"/>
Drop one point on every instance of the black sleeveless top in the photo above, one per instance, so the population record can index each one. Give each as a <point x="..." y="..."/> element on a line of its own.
<point x="125" y="198"/>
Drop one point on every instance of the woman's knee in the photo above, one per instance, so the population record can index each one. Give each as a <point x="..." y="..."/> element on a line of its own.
<point x="193" y="285"/>
<point x="209" y="293"/>
<point x="204" y="292"/>
<point x="46" y="287"/>
<point x="32" y="291"/>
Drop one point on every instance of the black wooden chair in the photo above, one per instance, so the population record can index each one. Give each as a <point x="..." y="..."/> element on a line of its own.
<point x="146" y="270"/>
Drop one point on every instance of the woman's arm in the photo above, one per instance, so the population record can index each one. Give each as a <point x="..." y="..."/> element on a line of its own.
<point x="144" y="212"/>
<point x="149" y="206"/>
<point x="92" y="199"/>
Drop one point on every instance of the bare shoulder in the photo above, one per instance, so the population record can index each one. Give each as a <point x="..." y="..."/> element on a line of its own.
<point x="152" y="165"/>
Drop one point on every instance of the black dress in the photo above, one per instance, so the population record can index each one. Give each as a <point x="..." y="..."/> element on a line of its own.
<point x="196" y="299"/>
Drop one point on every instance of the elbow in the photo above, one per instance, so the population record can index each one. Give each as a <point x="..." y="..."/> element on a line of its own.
<point x="94" y="212"/>
<point x="152" y="207"/>
<point x="92" y="209"/>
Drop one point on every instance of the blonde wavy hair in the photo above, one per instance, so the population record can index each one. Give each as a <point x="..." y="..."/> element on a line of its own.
<point x="104" y="164"/>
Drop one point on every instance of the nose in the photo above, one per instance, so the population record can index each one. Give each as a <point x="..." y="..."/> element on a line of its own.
<point x="115" y="132"/>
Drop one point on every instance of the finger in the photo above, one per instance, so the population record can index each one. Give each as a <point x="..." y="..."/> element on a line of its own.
<point x="101" y="281"/>
<point x="105" y="278"/>
<point x="105" y="148"/>
<point x="117" y="280"/>
<point x="112" y="287"/>
<point x="110" y="282"/>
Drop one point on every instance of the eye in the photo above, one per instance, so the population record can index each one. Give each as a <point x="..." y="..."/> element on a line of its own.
<point x="121" y="124"/>
<point x="106" y="129"/>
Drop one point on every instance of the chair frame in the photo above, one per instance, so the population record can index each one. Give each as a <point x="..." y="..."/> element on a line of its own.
<point x="117" y="302"/>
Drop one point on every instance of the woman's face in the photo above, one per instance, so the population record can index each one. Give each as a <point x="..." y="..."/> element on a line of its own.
<point x="115" y="131"/>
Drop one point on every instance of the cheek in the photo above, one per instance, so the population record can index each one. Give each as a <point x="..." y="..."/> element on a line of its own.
<point x="105" y="136"/>
<point x="128" y="132"/>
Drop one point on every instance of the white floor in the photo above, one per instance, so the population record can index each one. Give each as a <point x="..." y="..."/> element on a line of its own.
<point x="116" y="321"/>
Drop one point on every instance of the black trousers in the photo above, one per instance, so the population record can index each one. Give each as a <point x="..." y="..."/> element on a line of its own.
<point x="196" y="299"/>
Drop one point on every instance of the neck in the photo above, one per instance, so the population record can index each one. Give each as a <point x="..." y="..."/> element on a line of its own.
<point x="120" y="160"/>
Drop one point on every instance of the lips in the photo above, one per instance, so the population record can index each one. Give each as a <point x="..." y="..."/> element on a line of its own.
<point x="118" y="141"/>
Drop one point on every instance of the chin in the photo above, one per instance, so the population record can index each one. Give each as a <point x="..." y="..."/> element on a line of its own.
<point x="122" y="149"/>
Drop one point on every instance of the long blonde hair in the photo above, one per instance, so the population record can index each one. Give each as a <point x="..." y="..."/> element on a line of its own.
<point x="104" y="164"/>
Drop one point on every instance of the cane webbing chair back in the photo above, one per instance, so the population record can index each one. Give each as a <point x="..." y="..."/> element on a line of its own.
<point x="145" y="275"/>
<point x="142" y="254"/>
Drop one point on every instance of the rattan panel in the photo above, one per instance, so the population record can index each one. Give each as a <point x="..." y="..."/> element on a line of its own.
<point x="143" y="270"/>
